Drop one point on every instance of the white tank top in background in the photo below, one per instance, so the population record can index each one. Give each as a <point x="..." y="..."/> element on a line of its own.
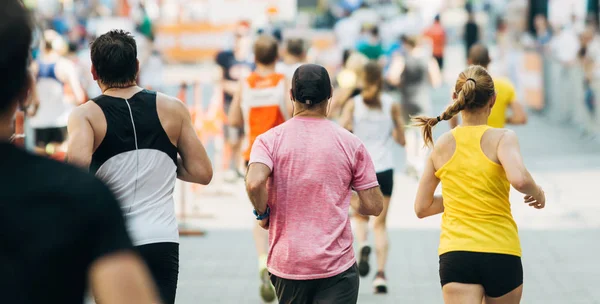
<point x="375" y="129"/>
<point x="54" y="110"/>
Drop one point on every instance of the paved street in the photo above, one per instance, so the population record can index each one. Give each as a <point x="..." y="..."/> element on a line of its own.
<point x="560" y="243"/>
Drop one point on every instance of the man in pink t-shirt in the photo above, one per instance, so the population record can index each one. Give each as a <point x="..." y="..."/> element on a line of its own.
<point x="300" y="179"/>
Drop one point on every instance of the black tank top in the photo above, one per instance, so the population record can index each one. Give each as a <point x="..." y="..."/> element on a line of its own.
<point x="121" y="133"/>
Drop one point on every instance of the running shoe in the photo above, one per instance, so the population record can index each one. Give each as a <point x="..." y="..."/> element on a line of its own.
<point x="380" y="284"/>
<point x="267" y="291"/>
<point x="363" y="262"/>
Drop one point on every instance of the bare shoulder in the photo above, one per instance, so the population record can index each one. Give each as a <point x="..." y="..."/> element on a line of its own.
<point x="85" y="110"/>
<point x="444" y="141"/>
<point x="170" y="105"/>
<point x="504" y="136"/>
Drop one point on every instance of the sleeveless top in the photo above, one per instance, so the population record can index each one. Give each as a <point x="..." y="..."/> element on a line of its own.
<point x="477" y="214"/>
<point x="138" y="162"/>
<point x="263" y="106"/>
<point x="53" y="111"/>
<point x="375" y="129"/>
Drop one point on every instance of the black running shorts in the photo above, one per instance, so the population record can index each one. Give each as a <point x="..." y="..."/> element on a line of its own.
<point x="386" y="181"/>
<point x="499" y="274"/>
<point x="162" y="260"/>
<point x="44" y="136"/>
<point x="339" y="289"/>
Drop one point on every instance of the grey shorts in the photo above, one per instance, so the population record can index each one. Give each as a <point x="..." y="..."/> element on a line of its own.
<point x="339" y="289"/>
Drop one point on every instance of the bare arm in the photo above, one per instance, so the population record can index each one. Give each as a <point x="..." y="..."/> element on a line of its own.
<point x="346" y="118"/>
<point x="339" y="100"/>
<point x="396" y="67"/>
<point x="256" y="185"/>
<point x="370" y="201"/>
<point x="519" y="116"/>
<point x="122" y="278"/>
<point x="81" y="138"/>
<point x="235" y="117"/>
<point x="398" y="124"/>
<point x="426" y="203"/>
<point x="509" y="155"/>
<point x="193" y="163"/>
<point x="71" y="77"/>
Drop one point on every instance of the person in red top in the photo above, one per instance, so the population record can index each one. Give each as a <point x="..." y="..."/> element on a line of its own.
<point x="261" y="103"/>
<point x="437" y="34"/>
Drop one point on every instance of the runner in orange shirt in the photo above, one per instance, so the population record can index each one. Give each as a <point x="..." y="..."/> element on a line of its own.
<point x="437" y="34"/>
<point x="261" y="103"/>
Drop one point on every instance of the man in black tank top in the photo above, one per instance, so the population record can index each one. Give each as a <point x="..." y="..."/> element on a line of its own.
<point x="138" y="142"/>
<point x="62" y="229"/>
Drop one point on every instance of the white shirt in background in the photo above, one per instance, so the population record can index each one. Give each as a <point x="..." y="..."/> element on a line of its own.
<point x="565" y="45"/>
<point x="347" y="32"/>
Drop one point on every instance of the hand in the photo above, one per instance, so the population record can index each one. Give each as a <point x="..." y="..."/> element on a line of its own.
<point x="538" y="201"/>
<point x="264" y="224"/>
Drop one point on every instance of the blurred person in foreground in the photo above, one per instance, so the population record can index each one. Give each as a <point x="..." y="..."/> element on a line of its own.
<point x="506" y="97"/>
<point x="376" y="119"/>
<point x="54" y="74"/>
<point x="235" y="64"/>
<point x="260" y="104"/>
<point x="138" y="142"/>
<point x="310" y="165"/>
<point x="479" y="250"/>
<point x="62" y="229"/>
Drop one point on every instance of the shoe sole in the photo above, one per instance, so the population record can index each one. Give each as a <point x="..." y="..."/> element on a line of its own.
<point x="267" y="291"/>
<point x="363" y="263"/>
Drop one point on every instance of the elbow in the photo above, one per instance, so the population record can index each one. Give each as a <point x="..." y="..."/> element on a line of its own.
<point x="377" y="209"/>
<point x="206" y="177"/>
<point x="420" y="214"/>
<point x="520" y="183"/>
<point x="419" y="211"/>
<point x="203" y="176"/>
<point x="254" y="186"/>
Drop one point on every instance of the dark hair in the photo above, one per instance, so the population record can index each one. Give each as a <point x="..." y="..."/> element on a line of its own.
<point x="374" y="31"/>
<point x="373" y="73"/>
<point x="16" y="31"/>
<point x="265" y="49"/>
<point x="295" y="47"/>
<point x="437" y="18"/>
<point x="345" y="56"/>
<point x="409" y="40"/>
<point x="473" y="90"/>
<point x="479" y="55"/>
<point x="114" y="55"/>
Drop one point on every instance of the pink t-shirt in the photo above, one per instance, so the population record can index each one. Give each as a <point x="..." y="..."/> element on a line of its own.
<point x="314" y="163"/>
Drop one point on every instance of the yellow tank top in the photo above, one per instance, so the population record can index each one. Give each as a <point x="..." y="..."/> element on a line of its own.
<point x="477" y="215"/>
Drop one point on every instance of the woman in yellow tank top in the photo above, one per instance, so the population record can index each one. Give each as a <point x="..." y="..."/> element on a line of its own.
<point x="480" y="252"/>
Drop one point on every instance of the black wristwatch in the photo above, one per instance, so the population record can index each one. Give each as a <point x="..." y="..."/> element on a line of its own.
<point x="260" y="217"/>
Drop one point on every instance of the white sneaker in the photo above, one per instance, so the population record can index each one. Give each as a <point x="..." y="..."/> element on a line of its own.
<point x="380" y="284"/>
